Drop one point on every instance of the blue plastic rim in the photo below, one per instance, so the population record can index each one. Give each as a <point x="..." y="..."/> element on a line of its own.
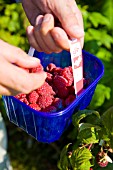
<point x="48" y="127"/>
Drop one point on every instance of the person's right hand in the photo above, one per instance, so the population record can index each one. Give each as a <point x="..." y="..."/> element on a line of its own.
<point x="65" y="12"/>
<point x="14" y="79"/>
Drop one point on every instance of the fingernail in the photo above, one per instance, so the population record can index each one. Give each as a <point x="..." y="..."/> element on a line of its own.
<point x="38" y="24"/>
<point x="39" y="21"/>
<point x="77" y="31"/>
<point x="44" y="74"/>
<point x="46" y="19"/>
<point x="34" y="59"/>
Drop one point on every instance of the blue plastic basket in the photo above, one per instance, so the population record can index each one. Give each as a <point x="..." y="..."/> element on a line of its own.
<point x="46" y="127"/>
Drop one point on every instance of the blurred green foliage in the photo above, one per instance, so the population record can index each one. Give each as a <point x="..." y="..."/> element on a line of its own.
<point x="13" y="23"/>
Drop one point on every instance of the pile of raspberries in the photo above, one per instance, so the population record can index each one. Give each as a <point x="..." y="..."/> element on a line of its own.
<point x="55" y="94"/>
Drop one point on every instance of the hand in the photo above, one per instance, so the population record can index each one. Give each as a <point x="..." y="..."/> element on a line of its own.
<point x="40" y="36"/>
<point x="14" y="79"/>
<point x="65" y="11"/>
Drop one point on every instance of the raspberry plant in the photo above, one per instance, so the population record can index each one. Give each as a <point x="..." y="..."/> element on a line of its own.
<point x="92" y="146"/>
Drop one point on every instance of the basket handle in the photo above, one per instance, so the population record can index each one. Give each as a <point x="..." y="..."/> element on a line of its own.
<point x="31" y="51"/>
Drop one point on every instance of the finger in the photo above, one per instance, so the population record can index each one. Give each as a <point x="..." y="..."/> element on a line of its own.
<point x="46" y="27"/>
<point x="37" y="35"/>
<point x="60" y="37"/>
<point x="5" y="91"/>
<point x="70" y="18"/>
<point x="17" y="56"/>
<point x="20" y="80"/>
<point x="31" y="38"/>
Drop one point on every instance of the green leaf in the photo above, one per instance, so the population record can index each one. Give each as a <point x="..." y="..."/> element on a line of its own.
<point x="107" y="121"/>
<point x="104" y="54"/>
<point x="82" y="114"/>
<point x="80" y="159"/>
<point x="64" y="162"/>
<point x="89" y="135"/>
<point x="101" y="93"/>
<point x="107" y="10"/>
<point x="99" y="35"/>
<point x="98" y="19"/>
<point x="84" y="126"/>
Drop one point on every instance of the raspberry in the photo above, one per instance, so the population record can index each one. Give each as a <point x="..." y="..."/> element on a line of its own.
<point x="71" y="90"/>
<point x="45" y="101"/>
<point x="71" y="70"/>
<point x="54" y="89"/>
<point x="24" y="100"/>
<point x="50" y="67"/>
<point x="33" y="96"/>
<point x="36" y="69"/>
<point x="57" y="70"/>
<point x="45" y="89"/>
<point x="35" y="106"/>
<point x="50" y="109"/>
<point x="63" y="92"/>
<point x="67" y="74"/>
<point x="49" y="78"/>
<point x="59" y="81"/>
<point x="19" y="96"/>
<point x="70" y="99"/>
<point x="102" y="162"/>
<point x="58" y="103"/>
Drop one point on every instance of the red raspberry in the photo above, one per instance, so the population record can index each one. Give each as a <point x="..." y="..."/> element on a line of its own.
<point x="50" y="67"/>
<point x="71" y="90"/>
<point x="54" y="89"/>
<point x="37" y="69"/>
<point x="63" y="92"/>
<point x="57" y="70"/>
<point x="45" y="89"/>
<point x="33" y="97"/>
<point x="24" y="100"/>
<point x="49" y="78"/>
<point x="67" y="74"/>
<point x="50" y="109"/>
<point x="19" y="96"/>
<point x="58" y="103"/>
<point x="35" y="106"/>
<point x="70" y="99"/>
<point x="102" y="162"/>
<point x="45" y="101"/>
<point x="71" y="70"/>
<point x="59" y="81"/>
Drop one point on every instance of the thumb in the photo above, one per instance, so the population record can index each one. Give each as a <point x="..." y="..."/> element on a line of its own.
<point x="17" y="56"/>
<point x="71" y="18"/>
